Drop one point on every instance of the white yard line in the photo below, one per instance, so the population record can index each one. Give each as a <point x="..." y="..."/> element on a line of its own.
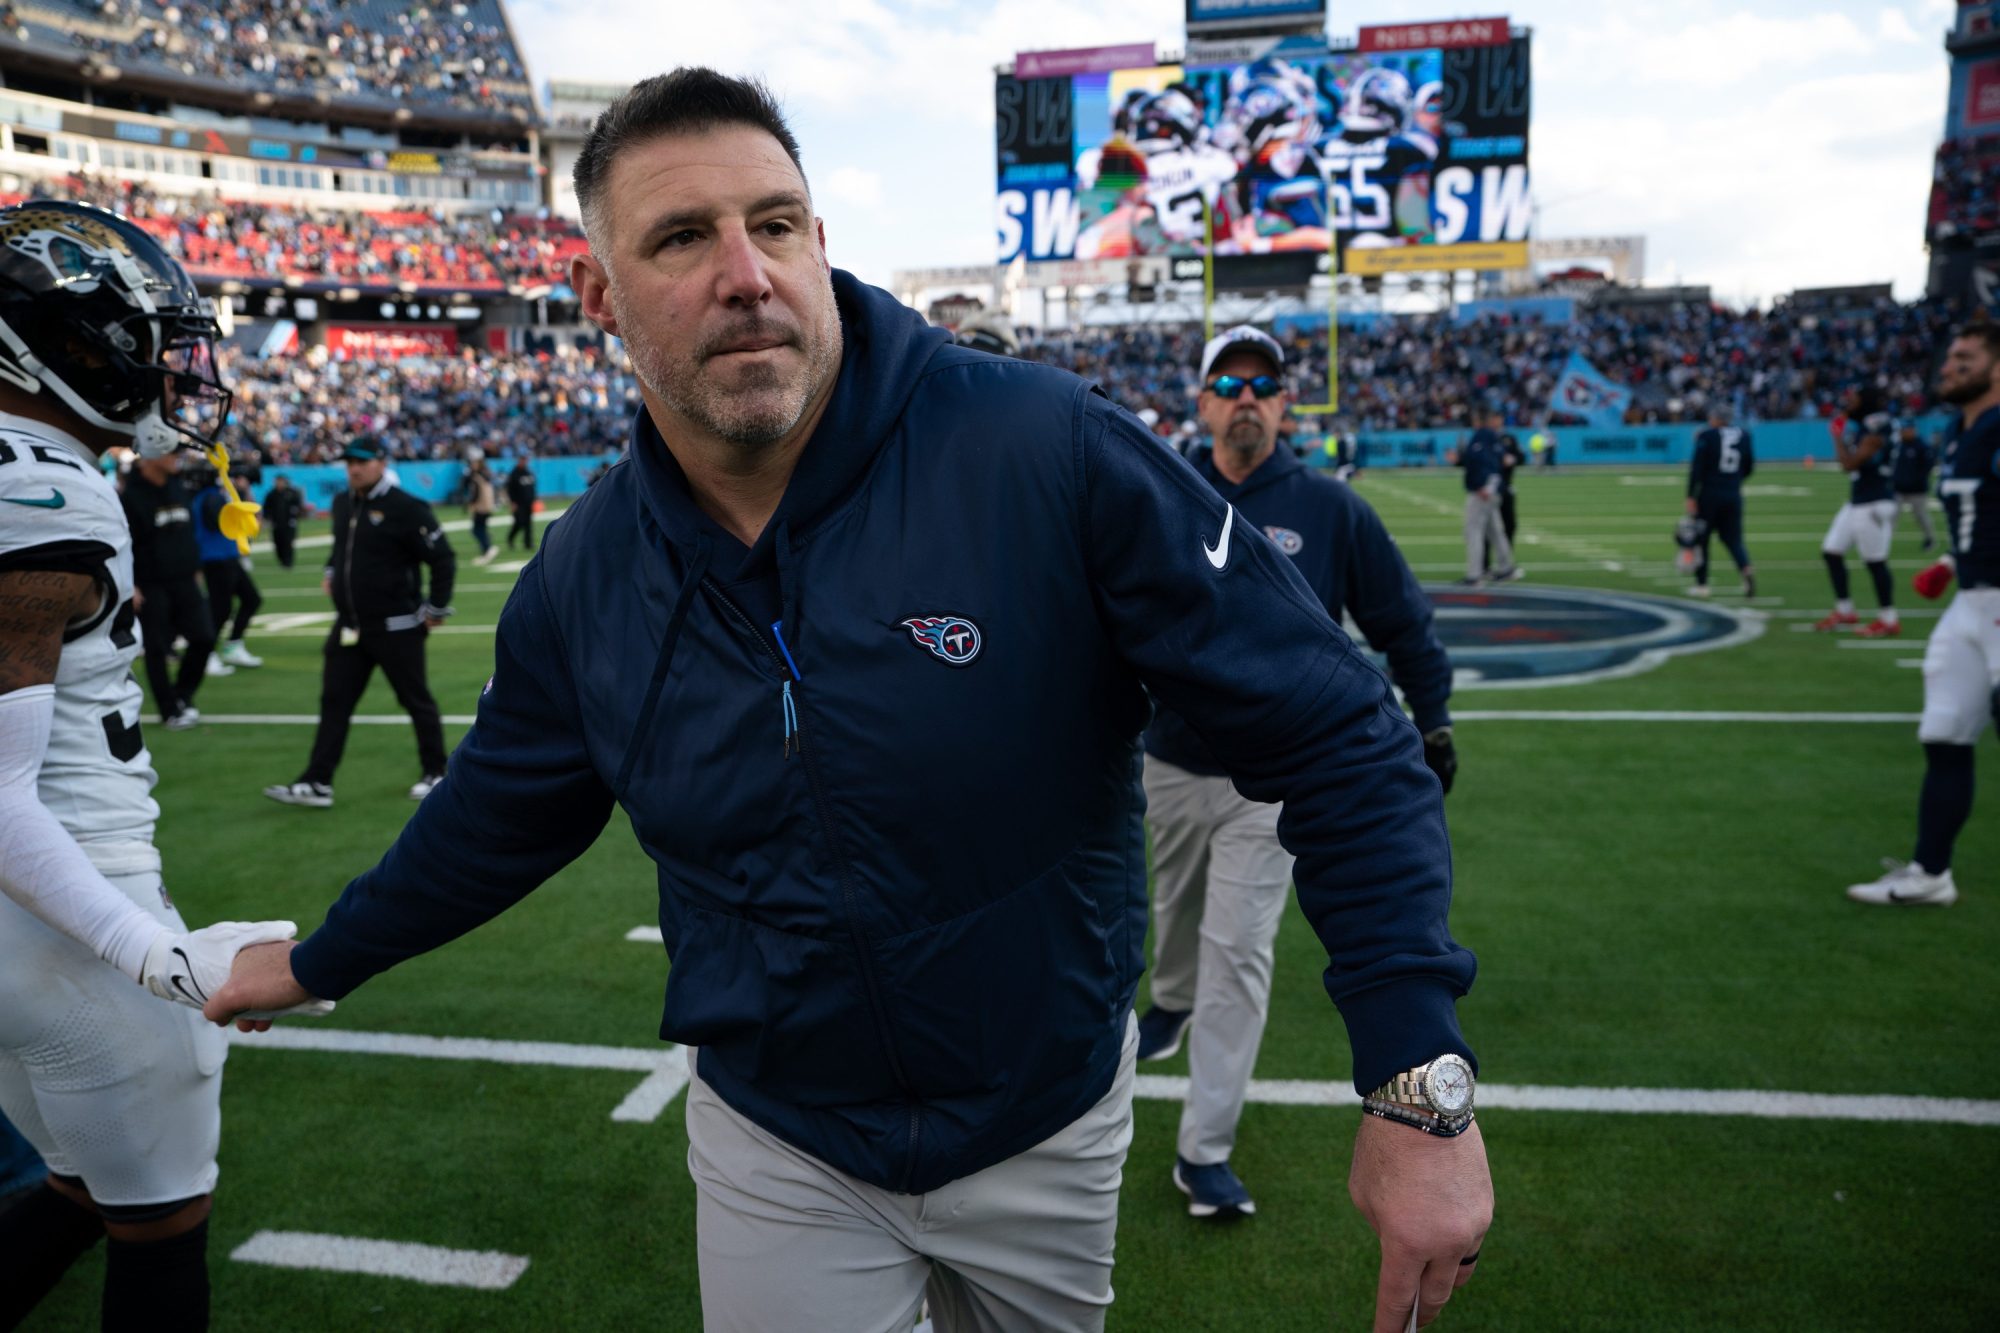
<point x="645" y="935"/>
<point x="1875" y="645"/>
<point x="485" y="1270"/>
<point x="1673" y="715"/>
<point x="660" y="1062"/>
<point x="311" y="719"/>
<point x="1471" y="715"/>
<point x="662" y="1065"/>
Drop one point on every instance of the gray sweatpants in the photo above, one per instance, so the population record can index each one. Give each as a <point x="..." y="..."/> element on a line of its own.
<point x="1220" y="881"/>
<point x="788" y="1242"/>
<point x="1483" y="527"/>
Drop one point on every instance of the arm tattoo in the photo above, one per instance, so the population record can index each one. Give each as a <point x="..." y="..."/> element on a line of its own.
<point x="35" y="606"/>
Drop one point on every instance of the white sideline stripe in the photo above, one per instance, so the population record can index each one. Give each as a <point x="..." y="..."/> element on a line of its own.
<point x="1874" y="645"/>
<point x="1469" y="715"/>
<point x="293" y="632"/>
<point x="663" y="1063"/>
<point x="1630" y="715"/>
<point x="645" y="935"/>
<point x="433" y="1265"/>
<point x="1630" y="1101"/>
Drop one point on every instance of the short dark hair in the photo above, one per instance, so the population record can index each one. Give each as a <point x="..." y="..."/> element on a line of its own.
<point x="1984" y="331"/>
<point x="690" y="100"/>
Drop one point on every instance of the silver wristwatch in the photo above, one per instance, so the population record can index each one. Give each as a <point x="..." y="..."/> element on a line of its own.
<point x="1434" y="1097"/>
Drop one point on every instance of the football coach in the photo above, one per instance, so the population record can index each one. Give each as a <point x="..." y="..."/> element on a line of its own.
<point x="860" y="637"/>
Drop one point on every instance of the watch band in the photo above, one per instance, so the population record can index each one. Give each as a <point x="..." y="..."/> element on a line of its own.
<point x="1427" y="1121"/>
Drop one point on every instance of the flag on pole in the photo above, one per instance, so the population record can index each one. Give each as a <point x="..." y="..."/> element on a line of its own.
<point x="1584" y="391"/>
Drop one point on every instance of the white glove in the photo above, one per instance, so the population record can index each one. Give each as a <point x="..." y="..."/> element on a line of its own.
<point x="187" y="969"/>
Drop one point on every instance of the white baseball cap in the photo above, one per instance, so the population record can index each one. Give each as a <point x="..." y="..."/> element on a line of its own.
<point x="1247" y="336"/>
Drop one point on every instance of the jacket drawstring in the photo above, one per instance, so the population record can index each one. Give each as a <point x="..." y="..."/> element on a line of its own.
<point x="787" y="611"/>
<point x="683" y="601"/>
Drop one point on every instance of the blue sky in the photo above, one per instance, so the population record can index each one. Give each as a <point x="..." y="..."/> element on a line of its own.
<point x="1758" y="147"/>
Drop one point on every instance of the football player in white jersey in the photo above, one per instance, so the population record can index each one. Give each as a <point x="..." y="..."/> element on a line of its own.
<point x="103" y="342"/>
<point x="1962" y="659"/>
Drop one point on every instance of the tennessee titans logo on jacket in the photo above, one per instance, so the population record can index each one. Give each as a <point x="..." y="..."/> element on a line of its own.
<point x="950" y="639"/>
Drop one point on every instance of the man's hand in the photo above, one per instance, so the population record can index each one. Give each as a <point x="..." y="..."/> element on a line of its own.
<point x="1430" y="1201"/>
<point x="432" y="622"/>
<point x="1693" y="505"/>
<point x="1441" y="756"/>
<point x="326" y="584"/>
<point x="1931" y="582"/>
<point x="260" y="987"/>
<point x="189" y="969"/>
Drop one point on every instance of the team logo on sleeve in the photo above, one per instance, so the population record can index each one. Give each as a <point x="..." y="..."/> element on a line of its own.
<point x="1285" y="539"/>
<point x="953" y="640"/>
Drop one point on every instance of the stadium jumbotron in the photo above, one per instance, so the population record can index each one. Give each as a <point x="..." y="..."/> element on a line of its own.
<point x="1568" y="600"/>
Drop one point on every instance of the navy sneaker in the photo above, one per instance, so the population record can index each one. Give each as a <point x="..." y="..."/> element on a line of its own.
<point x="1213" y="1191"/>
<point x="1160" y="1032"/>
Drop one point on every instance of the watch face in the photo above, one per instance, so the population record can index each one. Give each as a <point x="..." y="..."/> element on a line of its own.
<point x="1448" y="1085"/>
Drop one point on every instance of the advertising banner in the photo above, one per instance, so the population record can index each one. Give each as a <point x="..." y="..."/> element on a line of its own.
<point x="1250" y="13"/>
<point x="390" y="342"/>
<point x="1441" y="36"/>
<point x="1290" y="155"/>
<point x="1081" y="60"/>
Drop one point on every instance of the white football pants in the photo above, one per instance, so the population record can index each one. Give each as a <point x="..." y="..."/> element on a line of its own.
<point x="107" y="1080"/>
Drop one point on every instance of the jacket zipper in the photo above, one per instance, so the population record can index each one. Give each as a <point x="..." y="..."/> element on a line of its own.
<point x="347" y="556"/>
<point x="795" y="727"/>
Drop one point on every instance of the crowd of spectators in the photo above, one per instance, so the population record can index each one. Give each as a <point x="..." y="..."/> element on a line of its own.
<point x="1965" y="191"/>
<point x="1431" y="372"/>
<point x="303" y="409"/>
<point x="457" y="55"/>
<point x="257" y="242"/>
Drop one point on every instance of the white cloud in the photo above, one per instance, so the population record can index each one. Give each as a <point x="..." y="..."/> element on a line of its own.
<point x="1894" y="26"/>
<point x="854" y="187"/>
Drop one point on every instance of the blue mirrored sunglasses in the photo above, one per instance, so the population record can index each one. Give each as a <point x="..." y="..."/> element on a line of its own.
<point x="1232" y="386"/>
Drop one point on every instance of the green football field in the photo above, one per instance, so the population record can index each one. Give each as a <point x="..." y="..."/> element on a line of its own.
<point x="1655" y="899"/>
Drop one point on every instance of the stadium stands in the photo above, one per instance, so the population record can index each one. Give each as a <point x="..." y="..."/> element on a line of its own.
<point x="257" y="243"/>
<point x="1963" y="199"/>
<point x="303" y="409"/>
<point x="458" y="55"/>
<point x="1427" y="372"/>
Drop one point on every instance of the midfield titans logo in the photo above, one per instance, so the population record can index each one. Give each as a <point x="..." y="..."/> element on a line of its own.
<point x="1522" y="637"/>
<point x="953" y="640"/>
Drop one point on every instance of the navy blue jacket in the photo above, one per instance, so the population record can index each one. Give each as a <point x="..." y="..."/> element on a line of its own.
<point x="897" y="818"/>
<point x="1480" y="458"/>
<point x="1914" y="460"/>
<point x="1339" y="544"/>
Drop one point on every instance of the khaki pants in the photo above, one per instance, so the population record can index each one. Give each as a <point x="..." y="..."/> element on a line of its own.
<point x="1483" y="528"/>
<point x="1220" y="882"/>
<point x="787" y="1242"/>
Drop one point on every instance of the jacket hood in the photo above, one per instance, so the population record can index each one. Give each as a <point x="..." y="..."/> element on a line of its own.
<point x="884" y="348"/>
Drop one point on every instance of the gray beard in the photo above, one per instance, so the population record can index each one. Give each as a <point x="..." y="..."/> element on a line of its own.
<point x="1245" y="437"/>
<point x="767" y="406"/>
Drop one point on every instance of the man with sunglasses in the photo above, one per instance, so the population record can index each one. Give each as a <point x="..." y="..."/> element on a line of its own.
<point x="1220" y="874"/>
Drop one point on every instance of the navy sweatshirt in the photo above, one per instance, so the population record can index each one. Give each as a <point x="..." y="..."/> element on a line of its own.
<point x="1480" y="459"/>
<point x="1336" y="541"/>
<point x="899" y="825"/>
<point x="1724" y="458"/>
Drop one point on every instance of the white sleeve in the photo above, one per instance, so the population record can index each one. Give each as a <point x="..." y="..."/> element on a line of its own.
<point x="41" y="867"/>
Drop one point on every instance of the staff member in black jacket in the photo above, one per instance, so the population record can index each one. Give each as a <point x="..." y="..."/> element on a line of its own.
<point x="521" y="494"/>
<point x="283" y="507"/>
<point x="170" y="603"/>
<point x="381" y="535"/>
<point x="1220" y="874"/>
